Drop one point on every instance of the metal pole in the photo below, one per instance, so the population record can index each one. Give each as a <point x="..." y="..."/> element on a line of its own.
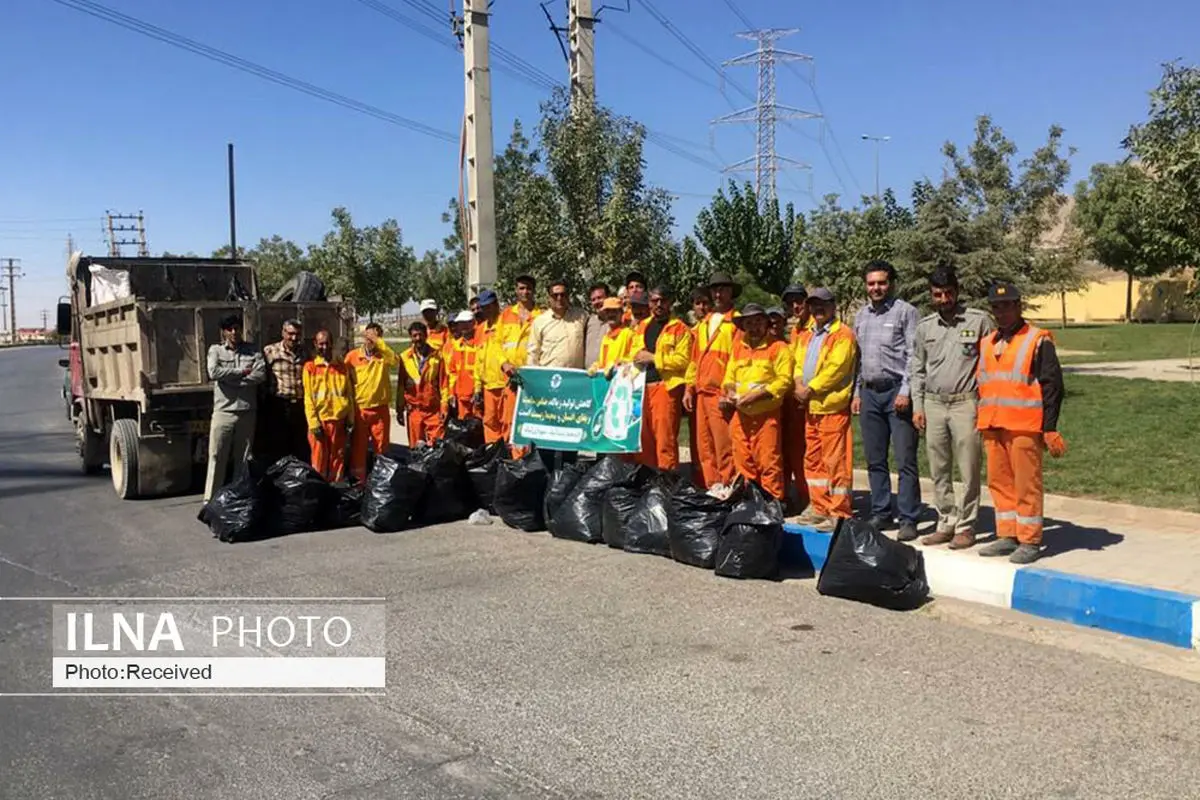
<point x="232" y="209"/>
<point x="878" y="140"/>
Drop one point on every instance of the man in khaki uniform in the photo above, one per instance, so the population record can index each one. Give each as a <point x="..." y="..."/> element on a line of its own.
<point x="942" y="380"/>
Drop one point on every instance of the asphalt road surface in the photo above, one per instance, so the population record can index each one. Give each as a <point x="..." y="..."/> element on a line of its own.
<point x="521" y="666"/>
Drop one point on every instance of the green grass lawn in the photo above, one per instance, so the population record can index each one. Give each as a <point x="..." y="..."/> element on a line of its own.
<point x="1126" y="342"/>
<point x="1131" y="441"/>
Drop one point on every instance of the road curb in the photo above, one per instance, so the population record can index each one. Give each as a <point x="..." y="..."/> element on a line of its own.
<point x="1143" y="612"/>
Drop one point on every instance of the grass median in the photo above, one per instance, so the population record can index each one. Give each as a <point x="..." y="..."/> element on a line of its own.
<point x="1095" y="343"/>
<point x="1131" y="441"/>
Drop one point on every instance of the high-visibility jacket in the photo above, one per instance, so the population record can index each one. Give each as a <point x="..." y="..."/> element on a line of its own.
<point x="766" y="365"/>
<point x="1010" y="397"/>
<point x="710" y="354"/>
<point x="795" y="332"/>
<point x="437" y="337"/>
<point x="506" y="341"/>
<point x="328" y="394"/>
<point x="614" y="348"/>
<point x="672" y="351"/>
<point x="832" y="382"/>
<point x="425" y="382"/>
<point x="372" y="375"/>
<point x="461" y="356"/>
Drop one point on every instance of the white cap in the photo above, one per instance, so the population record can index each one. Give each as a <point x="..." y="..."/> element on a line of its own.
<point x="429" y="305"/>
<point x="464" y="316"/>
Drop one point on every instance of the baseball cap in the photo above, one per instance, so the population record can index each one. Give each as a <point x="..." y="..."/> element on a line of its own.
<point x="794" y="290"/>
<point x="612" y="304"/>
<point x="1003" y="291"/>
<point x="487" y="297"/>
<point x="821" y="294"/>
<point x="751" y="310"/>
<point x="776" y="311"/>
<point x="429" y="305"/>
<point x="464" y="316"/>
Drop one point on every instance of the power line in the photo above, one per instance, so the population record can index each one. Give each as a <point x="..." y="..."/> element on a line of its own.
<point x="620" y="34"/>
<point x="211" y="53"/>
<point x="694" y="48"/>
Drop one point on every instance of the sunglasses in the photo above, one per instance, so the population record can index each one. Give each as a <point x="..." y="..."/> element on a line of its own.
<point x="557" y="295"/>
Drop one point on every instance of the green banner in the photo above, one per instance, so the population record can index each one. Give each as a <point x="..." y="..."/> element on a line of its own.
<point x="567" y="409"/>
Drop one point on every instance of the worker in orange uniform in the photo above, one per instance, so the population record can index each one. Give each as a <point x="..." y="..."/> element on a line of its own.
<point x="371" y="371"/>
<point x="460" y="354"/>
<point x="701" y="308"/>
<point x="757" y="378"/>
<point x="614" y="346"/>
<point x="825" y="356"/>
<point x="328" y="406"/>
<point x="713" y="343"/>
<point x="794" y="300"/>
<point x="663" y="348"/>
<point x="439" y="333"/>
<point x="424" y="388"/>
<point x="1020" y="398"/>
<point x="635" y="281"/>
<point x="491" y="382"/>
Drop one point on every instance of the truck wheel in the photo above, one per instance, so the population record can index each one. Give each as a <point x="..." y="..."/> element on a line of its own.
<point x="305" y="287"/>
<point x="123" y="456"/>
<point x="89" y="444"/>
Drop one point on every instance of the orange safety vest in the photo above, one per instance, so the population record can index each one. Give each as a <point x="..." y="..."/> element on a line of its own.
<point x="438" y="338"/>
<point x="424" y="385"/>
<point x="710" y="356"/>
<point x="1010" y="397"/>
<point x="460" y="355"/>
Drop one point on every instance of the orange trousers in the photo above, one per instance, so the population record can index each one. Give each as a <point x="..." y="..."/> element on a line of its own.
<point x="1014" y="472"/>
<point x="370" y="425"/>
<point x="661" y="412"/>
<point x="829" y="463"/>
<point x="329" y="451"/>
<point x="497" y="414"/>
<point x="758" y="451"/>
<point x="466" y="407"/>
<point x="794" y="439"/>
<point x="713" y="441"/>
<point x="423" y="425"/>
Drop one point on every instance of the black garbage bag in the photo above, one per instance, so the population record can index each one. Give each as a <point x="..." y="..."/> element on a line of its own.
<point x="620" y="504"/>
<point x="559" y="488"/>
<point x="394" y="490"/>
<point x="752" y="537"/>
<point x="466" y="432"/>
<point x="581" y="517"/>
<point x="481" y="464"/>
<point x="296" y="495"/>
<point x="647" y="529"/>
<point x="235" y="513"/>
<point x="521" y="492"/>
<point x="865" y="565"/>
<point x="696" y="521"/>
<point x="343" y="507"/>
<point x="449" y="496"/>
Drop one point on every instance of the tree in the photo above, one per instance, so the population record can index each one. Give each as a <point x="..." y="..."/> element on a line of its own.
<point x="276" y="261"/>
<point x="828" y="256"/>
<point x="742" y="235"/>
<point x="371" y="266"/>
<point x="1168" y="145"/>
<point x="442" y="279"/>
<point x="1119" y="211"/>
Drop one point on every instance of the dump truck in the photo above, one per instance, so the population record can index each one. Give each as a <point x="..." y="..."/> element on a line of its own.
<point x="139" y="330"/>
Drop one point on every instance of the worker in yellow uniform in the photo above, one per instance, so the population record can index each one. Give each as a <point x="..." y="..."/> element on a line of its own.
<point x="328" y="406"/>
<point x="438" y="333"/>
<point x="713" y="343"/>
<point x="491" y="382"/>
<point x="662" y="346"/>
<point x="371" y="370"/>
<point x="424" y="389"/>
<point x="614" y="346"/>
<point x="825" y="360"/>
<point x="757" y="378"/>
<point x="794" y="298"/>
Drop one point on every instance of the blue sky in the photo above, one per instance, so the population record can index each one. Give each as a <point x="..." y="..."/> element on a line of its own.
<point x="97" y="117"/>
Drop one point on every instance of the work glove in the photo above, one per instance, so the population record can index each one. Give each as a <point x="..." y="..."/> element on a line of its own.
<point x="514" y="380"/>
<point x="1056" y="445"/>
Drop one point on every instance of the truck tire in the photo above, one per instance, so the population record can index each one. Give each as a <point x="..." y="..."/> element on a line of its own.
<point x="122" y="457"/>
<point x="305" y="287"/>
<point x="89" y="444"/>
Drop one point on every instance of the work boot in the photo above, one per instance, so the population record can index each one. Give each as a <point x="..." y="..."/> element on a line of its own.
<point x="907" y="532"/>
<point x="1000" y="547"/>
<point x="825" y="524"/>
<point x="1025" y="554"/>
<point x="940" y="537"/>
<point x="881" y="522"/>
<point x="962" y="540"/>
<point x="809" y="517"/>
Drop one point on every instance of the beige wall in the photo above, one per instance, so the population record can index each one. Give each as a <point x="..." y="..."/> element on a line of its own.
<point x="1158" y="300"/>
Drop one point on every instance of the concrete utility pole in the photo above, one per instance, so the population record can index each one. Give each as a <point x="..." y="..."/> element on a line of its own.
<point x="3" y="309"/>
<point x="12" y="271"/>
<point x="481" y="201"/>
<point x="111" y="231"/>
<point x="765" y="113"/>
<point x="878" y="140"/>
<point x="581" y="35"/>
<point x="45" y="314"/>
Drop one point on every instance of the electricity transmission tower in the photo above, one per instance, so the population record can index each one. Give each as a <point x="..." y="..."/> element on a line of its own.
<point x="766" y="163"/>
<point x="111" y="230"/>
<point x="479" y="244"/>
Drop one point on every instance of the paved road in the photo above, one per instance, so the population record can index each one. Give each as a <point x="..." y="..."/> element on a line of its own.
<point x="526" y="667"/>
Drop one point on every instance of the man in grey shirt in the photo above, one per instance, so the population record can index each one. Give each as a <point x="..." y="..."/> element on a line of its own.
<point x="885" y="328"/>
<point x="593" y="334"/>
<point x="235" y="368"/>
<point x="943" y="384"/>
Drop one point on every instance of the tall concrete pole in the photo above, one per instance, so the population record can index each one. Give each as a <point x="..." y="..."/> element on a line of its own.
<point x="878" y="140"/>
<point x="12" y="272"/>
<point x="581" y="36"/>
<point x="481" y="198"/>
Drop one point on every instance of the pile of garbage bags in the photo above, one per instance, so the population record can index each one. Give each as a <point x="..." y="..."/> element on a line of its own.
<point x="736" y="531"/>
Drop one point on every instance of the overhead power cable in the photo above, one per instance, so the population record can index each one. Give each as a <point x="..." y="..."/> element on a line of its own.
<point x="211" y="53"/>
<point x="657" y="56"/>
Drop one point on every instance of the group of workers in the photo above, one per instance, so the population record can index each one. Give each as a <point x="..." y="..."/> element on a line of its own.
<point x="769" y="392"/>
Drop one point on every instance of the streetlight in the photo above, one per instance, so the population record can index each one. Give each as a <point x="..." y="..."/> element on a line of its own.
<point x="877" y="140"/>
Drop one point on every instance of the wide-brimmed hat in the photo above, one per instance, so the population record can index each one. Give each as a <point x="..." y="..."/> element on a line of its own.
<point x="776" y="311"/>
<point x="749" y="311"/>
<point x="723" y="279"/>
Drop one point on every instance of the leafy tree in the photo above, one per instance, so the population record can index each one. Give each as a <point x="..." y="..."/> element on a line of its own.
<point x="1119" y="211"/>
<point x="741" y="234"/>
<point x="443" y="279"/>
<point x="371" y="266"/>
<point x="829" y="256"/>
<point x="276" y="261"/>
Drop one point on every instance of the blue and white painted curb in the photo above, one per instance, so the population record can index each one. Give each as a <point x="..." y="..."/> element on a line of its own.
<point x="1140" y="611"/>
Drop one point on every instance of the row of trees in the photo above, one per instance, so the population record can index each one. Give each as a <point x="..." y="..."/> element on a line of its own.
<point x="577" y="205"/>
